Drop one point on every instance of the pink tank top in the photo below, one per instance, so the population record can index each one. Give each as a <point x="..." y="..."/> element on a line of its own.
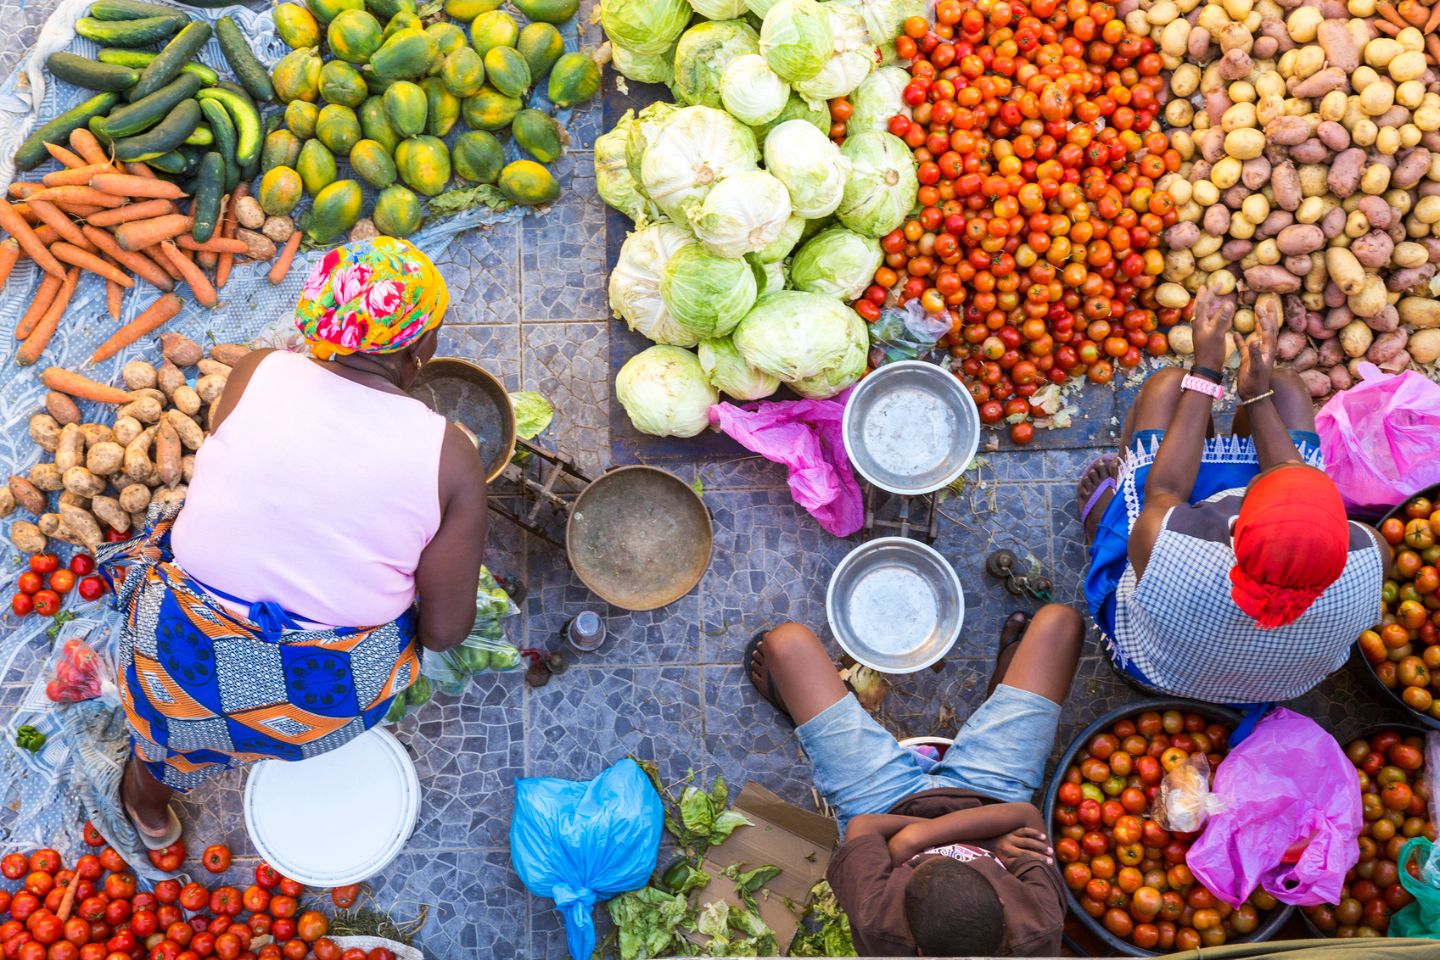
<point x="316" y="493"/>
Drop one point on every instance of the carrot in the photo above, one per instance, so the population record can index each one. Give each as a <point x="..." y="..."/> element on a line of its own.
<point x="60" y="223"/>
<point x="74" y="176"/>
<point x="67" y="901"/>
<point x="1389" y="13"/>
<point x="77" y="257"/>
<point x="138" y="168"/>
<point x="9" y="255"/>
<point x="282" y="263"/>
<point x="21" y="189"/>
<point x="207" y="258"/>
<point x="44" y="296"/>
<point x="1432" y="24"/>
<point x="199" y="285"/>
<point x="137" y="263"/>
<point x="39" y="338"/>
<point x="26" y="214"/>
<point x="127" y="185"/>
<point x="1432" y="47"/>
<point x="66" y="158"/>
<point x="228" y="226"/>
<point x="11" y="223"/>
<point x="86" y="144"/>
<point x="80" y="211"/>
<point x="158" y="255"/>
<point x="1385" y="27"/>
<point x="213" y="245"/>
<point x="114" y="299"/>
<point x="1412" y="12"/>
<point x="47" y="236"/>
<point x="139" y="234"/>
<point x="144" y="210"/>
<point x="152" y="318"/>
<point x="73" y="384"/>
<point x="77" y="194"/>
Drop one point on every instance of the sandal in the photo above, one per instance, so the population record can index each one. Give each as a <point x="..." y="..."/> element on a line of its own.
<point x="1106" y="486"/>
<point x="1012" y="631"/>
<point x="173" y="828"/>
<point x="767" y="692"/>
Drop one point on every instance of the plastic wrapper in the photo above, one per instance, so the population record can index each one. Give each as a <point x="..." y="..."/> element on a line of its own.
<point x="1185" y="802"/>
<point x="80" y="673"/>
<point x="905" y="333"/>
<point x="1421" y="918"/>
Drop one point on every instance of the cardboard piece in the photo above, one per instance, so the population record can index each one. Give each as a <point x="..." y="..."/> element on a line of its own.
<point x="797" y="841"/>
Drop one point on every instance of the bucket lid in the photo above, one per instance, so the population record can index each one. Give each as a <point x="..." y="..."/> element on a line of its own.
<point x="308" y="821"/>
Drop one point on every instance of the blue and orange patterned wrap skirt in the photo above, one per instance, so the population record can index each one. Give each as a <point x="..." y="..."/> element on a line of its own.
<point x="205" y="690"/>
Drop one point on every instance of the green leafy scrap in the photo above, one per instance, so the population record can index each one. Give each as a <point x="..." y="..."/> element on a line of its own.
<point x="824" y="927"/>
<point x="533" y="414"/>
<point x="464" y="198"/>
<point x="650" y="923"/>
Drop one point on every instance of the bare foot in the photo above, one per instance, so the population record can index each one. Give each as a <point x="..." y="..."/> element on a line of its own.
<point x="146" y="800"/>
<point x="1106" y="468"/>
<point x="1010" y="635"/>
<point x="760" y="677"/>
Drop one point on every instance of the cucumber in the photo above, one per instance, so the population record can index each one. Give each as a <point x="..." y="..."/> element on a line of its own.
<point x="225" y="138"/>
<point x="167" y="63"/>
<point x="248" y="70"/>
<point x="129" y="33"/>
<point x="172" y="162"/>
<point x="165" y="136"/>
<point x="32" y="152"/>
<point x="142" y="58"/>
<point x="249" y="131"/>
<point x="143" y="114"/>
<point x="210" y="187"/>
<point x="200" y="137"/>
<point x="129" y="10"/>
<point x="84" y="72"/>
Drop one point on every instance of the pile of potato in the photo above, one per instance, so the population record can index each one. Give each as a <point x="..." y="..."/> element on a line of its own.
<point x="108" y="475"/>
<point x="1311" y="142"/>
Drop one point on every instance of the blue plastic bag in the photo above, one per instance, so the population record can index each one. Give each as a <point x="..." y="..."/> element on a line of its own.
<point x="577" y="842"/>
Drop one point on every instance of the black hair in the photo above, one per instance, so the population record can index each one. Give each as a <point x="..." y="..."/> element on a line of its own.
<point x="953" y="910"/>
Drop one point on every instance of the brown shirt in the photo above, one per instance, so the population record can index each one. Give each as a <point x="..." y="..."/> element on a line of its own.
<point x="872" y="890"/>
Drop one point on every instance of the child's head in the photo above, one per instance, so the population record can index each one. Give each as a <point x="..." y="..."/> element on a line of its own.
<point x="953" y="910"/>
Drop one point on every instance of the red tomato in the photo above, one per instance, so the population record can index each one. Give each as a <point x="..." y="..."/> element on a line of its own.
<point x="14" y="866"/>
<point x="283" y="907"/>
<point x="117" y="912"/>
<point x="43" y="563"/>
<point x="194" y="897"/>
<point x="216" y="858"/>
<point x="120" y="886"/>
<point x="266" y="875"/>
<point x="143" y="923"/>
<point x="62" y="581"/>
<point x="379" y="953"/>
<point x="82" y="564"/>
<point x="167" y="891"/>
<point x="45" y="860"/>
<point x="29" y="582"/>
<point x="22" y="604"/>
<point x="170" y="859"/>
<point x="88" y="867"/>
<point x="325" y="949"/>
<point x="295" y="950"/>
<point x="111" y="860"/>
<point x="353" y="953"/>
<point x="181" y="933"/>
<point x="203" y="943"/>
<point x="226" y="901"/>
<point x="291" y="888"/>
<point x="93" y="588"/>
<point x="227" y="946"/>
<point x="312" y="925"/>
<point x="39" y="883"/>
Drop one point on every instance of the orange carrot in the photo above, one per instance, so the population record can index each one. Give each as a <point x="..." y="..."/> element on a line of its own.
<point x="127" y="185"/>
<point x="138" y="168"/>
<point x="207" y="258"/>
<point x="199" y="285"/>
<point x="39" y="338"/>
<point x="77" y="194"/>
<point x="158" y="255"/>
<point x="47" y="236"/>
<point x="73" y="384"/>
<point x="60" y="223"/>
<point x="144" y="210"/>
<point x="152" y="318"/>
<point x="86" y="144"/>
<point x="137" y="263"/>
<point x="80" y="211"/>
<point x="282" y="263"/>
<point x="1413" y="12"/>
<point x="114" y="299"/>
<point x="228" y="226"/>
<point x="1389" y="13"/>
<point x="74" y="256"/>
<point x="139" y="234"/>
<point x="1433" y="23"/>
<point x="1432" y="47"/>
<point x="9" y="255"/>
<point x="64" y="157"/>
<point x="44" y="296"/>
<point x="213" y="245"/>
<point x="11" y="223"/>
<point x="26" y="214"/>
<point x="75" y="176"/>
<point x="23" y="188"/>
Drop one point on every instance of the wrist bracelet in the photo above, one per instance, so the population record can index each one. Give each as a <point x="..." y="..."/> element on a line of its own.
<point x="1200" y="385"/>
<point x="1258" y="398"/>
<point x="1209" y="373"/>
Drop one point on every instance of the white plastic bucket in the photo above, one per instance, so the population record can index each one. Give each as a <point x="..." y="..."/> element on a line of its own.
<point x="337" y="818"/>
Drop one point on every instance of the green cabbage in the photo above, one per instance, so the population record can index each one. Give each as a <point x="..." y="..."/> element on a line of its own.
<point x="695" y="149"/>
<point x="817" y="115"/>
<point x="779" y="248"/>
<point x="642" y="132"/>
<point x="635" y="283"/>
<point x="665" y="392"/>
<point x="703" y="53"/>
<point x="793" y="335"/>
<point x="741" y="214"/>
<point x="731" y="375"/>
<point x="854" y="57"/>
<point x="706" y="294"/>
<point x="795" y="39"/>
<point x="838" y="262"/>
<point x="769" y="277"/>
<point x="719" y="9"/>
<point x="881" y="188"/>
<point x="810" y="165"/>
<point x="644" y="67"/>
<point x="849" y="368"/>
<point x="751" y="92"/>
<point x="877" y="99"/>
<point x="612" y="175"/>
<point x="760" y="7"/>
<point x="885" y="19"/>
<point x="645" y="26"/>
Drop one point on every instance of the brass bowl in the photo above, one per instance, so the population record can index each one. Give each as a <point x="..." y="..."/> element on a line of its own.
<point x="459" y="390"/>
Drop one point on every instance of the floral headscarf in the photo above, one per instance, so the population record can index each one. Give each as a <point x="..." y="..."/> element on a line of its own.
<point x="371" y="296"/>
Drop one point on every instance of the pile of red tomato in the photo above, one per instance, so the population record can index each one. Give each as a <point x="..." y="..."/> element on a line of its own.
<point x="109" y="918"/>
<point x="1038" y="231"/>
<point x="1395" y="801"/>
<point x="1404" y="649"/>
<point x="1124" y="869"/>
<point x="42" y="587"/>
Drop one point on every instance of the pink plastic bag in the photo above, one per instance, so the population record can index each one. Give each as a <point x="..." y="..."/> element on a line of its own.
<point x="1290" y="818"/>
<point x="1381" y="439"/>
<point x="805" y="436"/>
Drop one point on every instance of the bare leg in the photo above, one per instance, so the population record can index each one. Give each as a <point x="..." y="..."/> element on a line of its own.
<point x="1292" y="402"/>
<point x="1044" y="660"/>
<point x="805" y="682"/>
<point x="145" y="798"/>
<point x="1154" y="407"/>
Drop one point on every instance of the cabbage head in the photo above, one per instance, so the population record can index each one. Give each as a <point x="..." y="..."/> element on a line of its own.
<point x="635" y="283"/>
<point x="695" y="149"/>
<point x="810" y="165"/>
<point x="817" y="115"/>
<point x="612" y="176"/>
<point x="881" y="188"/>
<point x="644" y="67"/>
<point x="795" y="39"/>
<point x="703" y="53"/>
<point x="854" y="57"/>
<point x="793" y="335"/>
<point x="847" y="370"/>
<point x="760" y="7"/>
<point x="665" y="392"/>
<point x="720" y="9"/>
<point x="706" y="294"/>
<point x="741" y="214"/>
<point x="642" y="132"/>
<point x="645" y="26"/>
<point x="751" y="92"/>
<point x="779" y="248"/>
<point x="885" y="19"/>
<point x="877" y="99"/>
<point x="769" y="277"/>
<point x="731" y="375"/>
<point x="836" y="262"/>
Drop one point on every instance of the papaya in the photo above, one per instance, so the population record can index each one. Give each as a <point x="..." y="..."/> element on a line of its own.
<point x="424" y="164"/>
<point x="405" y="107"/>
<point x="300" y="117"/>
<point x="295" y="25"/>
<point x="337" y="128"/>
<point x="371" y="162"/>
<point x="297" y="75"/>
<point x="376" y="126"/>
<point x="477" y="156"/>
<point x="463" y="72"/>
<point x="442" y="108"/>
<point x="539" y="135"/>
<point x="527" y="182"/>
<point x="397" y="212"/>
<point x="280" y="190"/>
<point x="316" y="166"/>
<point x="353" y="36"/>
<point x="448" y="38"/>
<point x="404" y="20"/>
<point x="467" y="10"/>
<point x="494" y="29"/>
<point x="282" y="149"/>
<point x="407" y="55"/>
<point x="541" y="45"/>
<point x="335" y="210"/>
<point x="490" y="109"/>
<point x="385" y="9"/>
<point x="507" y="71"/>
<point x="341" y="83"/>
<point x="327" y="10"/>
<point x="548" y="11"/>
<point x="575" y="77"/>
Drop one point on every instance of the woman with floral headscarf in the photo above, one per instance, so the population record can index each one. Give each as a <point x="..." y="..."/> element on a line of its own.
<point x="275" y="615"/>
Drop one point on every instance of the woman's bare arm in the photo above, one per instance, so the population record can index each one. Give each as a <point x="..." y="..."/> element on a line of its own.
<point x="450" y="565"/>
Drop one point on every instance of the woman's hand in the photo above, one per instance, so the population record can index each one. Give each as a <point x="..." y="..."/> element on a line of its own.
<point x="1211" y="326"/>
<point x="1025" y="842"/>
<point x="1257" y="352"/>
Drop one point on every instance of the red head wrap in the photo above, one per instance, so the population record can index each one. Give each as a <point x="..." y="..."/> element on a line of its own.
<point x="1291" y="540"/>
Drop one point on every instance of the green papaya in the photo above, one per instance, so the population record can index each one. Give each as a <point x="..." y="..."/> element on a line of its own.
<point x="327" y="10"/>
<point x="376" y="126"/>
<point x="448" y="38"/>
<point x="300" y="117"/>
<point x="297" y="75"/>
<point x="405" y="107"/>
<point x="490" y="109"/>
<point x="407" y="55"/>
<point x="282" y="149"/>
<point x="467" y="10"/>
<point x="280" y="191"/>
<point x="507" y="71"/>
<point x="574" y="78"/>
<point x="385" y="9"/>
<point x="397" y="212"/>
<point x="541" y="45"/>
<point x="296" y="25"/>
<point x="539" y="135"/>
<point x="404" y="20"/>
<point x="335" y="210"/>
<point x="316" y="166"/>
<point x="463" y="72"/>
<point x="477" y="156"/>
<point x="337" y="128"/>
<point x="494" y="29"/>
<point x="419" y="692"/>
<point x="548" y="11"/>
<point x="371" y="162"/>
<point x="424" y="164"/>
<point x="527" y="182"/>
<point x="341" y="83"/>
<point x="442" y="108"/>
<point x="353" y="36"/>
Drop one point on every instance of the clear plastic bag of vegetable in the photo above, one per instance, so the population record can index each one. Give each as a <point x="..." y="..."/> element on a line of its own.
<point x="1185" y="801"/>
<point x="905" y="333"/>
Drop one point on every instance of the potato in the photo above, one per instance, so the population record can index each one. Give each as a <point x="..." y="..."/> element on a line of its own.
<point x="1317" y="383"/>
<point x="1400" y="281"/>
<point x="145" y="409"/>
<point x="82" y="524"/>
<point x="1287" y="131"/>
<point x="61" y="407"/>
<point x="170" y="378"/>
<point x="189" y="431"/>
<point x="228" y="353"/>
<point x="105" y="459"/>
<point x="27" y="537"/>
<point x="1182" y="339"/>
<point x="278" y="228"/>
<point x="1244" y="144"/>
<point x="1345" y="271"/>
<point x="1424" y="346"/>
<point x="1304" y="360"/>
<point x="138" y="374"/>
<point x="1412" y="166"/>
<point x="1303" y="23"/>
<point x="186" y="400"/>
<point x="135" y="498"/>
<point x="1409" y="65"/>
<point x="1371" y="299"/>
<point x="45" y="431"/>
<point x="1388" y="347"/>
<point x="1271" y="279"/>
<point x="249" y="213"/>
<point x="1355" y="338"/>
<point x="180" y="350"/>
<point x="209" y="387"/>
<point x="1340" y="379"/>
<point x="167" y="454"/>
<point x="126" y="430"/>
<point x="1345" y="171"/>
<point x="1286" y="183"/>
<point x="257" y="245"/>
<point x="1376" y="210"/>
<point x="110" y="513"/>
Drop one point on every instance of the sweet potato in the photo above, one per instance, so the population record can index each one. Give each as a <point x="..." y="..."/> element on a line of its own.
<point x="180" y="350"/>
<point x="105" y="458"/>
<point x="186" y="400"/>
<point x="27" y="537"/>
<point x="61" y="407"/>
<point x="135" y="498"/>
<point x="1387" y="347"/>
<point x="209" y="387"/>
<point x="82" y="524"/>
<point x="45" y="431"/>
<point x="1340" y="378"/>
<point x="1271" y="279"/>
<point x="1300" y="238"/>
<point x="190" y="433"/>
<point x="82" y="482"/>
<point x="1373" y="249"/>
<point x="46" y="477"/>
<point x="1317" y="382"/>
<point x="110" y="513"/>
<point x="1345" y="171"/>
<point x="144" y="409"/>
<point x="169" y="378"/>
<point x="137" y="456"/>
<point x="27" y="494"/>
<point x="71" y="448"/>
<point x="7" y="502"/>
<point x="1289" y="344"/>
<point x="228" y="353"/>
<point x="138" y="375"/>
